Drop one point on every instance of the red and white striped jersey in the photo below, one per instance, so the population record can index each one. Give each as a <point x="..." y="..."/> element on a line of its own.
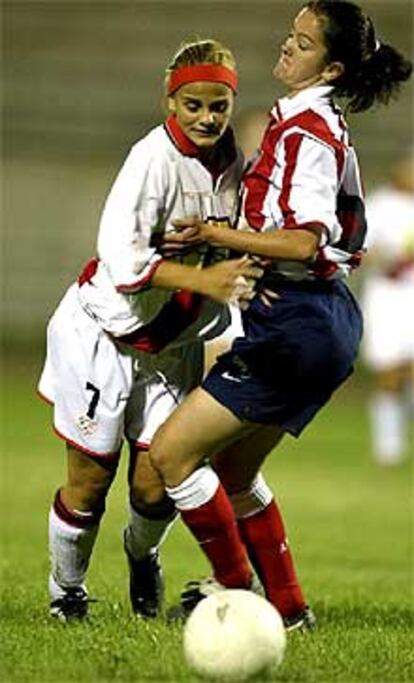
<point x="160" y="180"/>
<point x="306" y="173"/>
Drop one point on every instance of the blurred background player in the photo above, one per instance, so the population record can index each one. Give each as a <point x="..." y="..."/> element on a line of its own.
<point x="388" y="305"/>
<point x="303" y="203"/>
<point x="125" y="344"/>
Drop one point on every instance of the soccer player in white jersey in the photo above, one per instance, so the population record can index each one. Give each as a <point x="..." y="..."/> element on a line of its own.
<point x="125" y="344"/>
<point x="388" y="307"/>
<point x="303" y="209"/>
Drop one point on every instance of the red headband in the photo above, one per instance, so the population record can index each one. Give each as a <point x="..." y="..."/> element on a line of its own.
<point x="202" y="72"/>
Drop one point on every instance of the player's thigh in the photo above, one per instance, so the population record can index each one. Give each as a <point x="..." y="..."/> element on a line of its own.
<point x="81" y="467"/>
<point x="199" y="427"/>
<point x="238" y="464"/>
<point x="161" y="384"/>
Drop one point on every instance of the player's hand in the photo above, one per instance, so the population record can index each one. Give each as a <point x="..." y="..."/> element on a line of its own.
<point x="268" y="297"/>
<point x="178" y="243"/>
<point x="231" y="281"/>
<point x="190" y="228"/>
<point x="190" y="232"/>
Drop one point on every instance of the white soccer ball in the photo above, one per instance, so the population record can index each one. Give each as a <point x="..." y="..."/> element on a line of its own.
<point x="233" y="635"/>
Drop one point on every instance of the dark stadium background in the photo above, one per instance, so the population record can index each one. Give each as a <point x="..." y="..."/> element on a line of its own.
<point x="83" y="80"/>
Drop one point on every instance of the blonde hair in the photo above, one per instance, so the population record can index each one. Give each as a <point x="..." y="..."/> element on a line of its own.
<point x="207" y="51"/>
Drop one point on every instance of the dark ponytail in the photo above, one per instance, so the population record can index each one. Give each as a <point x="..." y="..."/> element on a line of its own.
<point x="374" y="71"/>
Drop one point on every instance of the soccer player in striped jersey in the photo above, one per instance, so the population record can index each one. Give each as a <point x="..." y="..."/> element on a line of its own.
<point x="303" y="210"/>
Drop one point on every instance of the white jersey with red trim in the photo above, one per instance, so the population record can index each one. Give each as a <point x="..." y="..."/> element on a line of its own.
<point x="390" y="213"/>
<point x="160" y="180"/>
<point x="387" y="295"/>
<point x="306" y="173"/>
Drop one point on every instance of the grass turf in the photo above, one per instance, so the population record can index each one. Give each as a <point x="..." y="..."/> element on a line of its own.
<point x="350" y="527"/>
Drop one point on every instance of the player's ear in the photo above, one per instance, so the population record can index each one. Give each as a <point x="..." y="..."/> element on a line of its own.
<point x="332" y="71"/>
<point x="171" y="105"/>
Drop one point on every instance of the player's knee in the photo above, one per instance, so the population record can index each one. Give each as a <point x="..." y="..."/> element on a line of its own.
<point x="146" y="493"/>
<point x="160" y="454"/>
<point x="173" y="458"/>
<point x="162" y="508"/>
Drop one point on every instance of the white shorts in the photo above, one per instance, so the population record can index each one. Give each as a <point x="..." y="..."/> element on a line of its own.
<point x="102" y="392"/>
<point x="222" y="343"/>
<point x="388" y="307"/>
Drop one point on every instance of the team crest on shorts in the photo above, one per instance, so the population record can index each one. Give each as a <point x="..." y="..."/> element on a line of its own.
<point x="86" y="425"/>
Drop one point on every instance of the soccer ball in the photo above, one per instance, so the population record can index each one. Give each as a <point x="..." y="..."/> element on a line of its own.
<point x="233" y="635"/>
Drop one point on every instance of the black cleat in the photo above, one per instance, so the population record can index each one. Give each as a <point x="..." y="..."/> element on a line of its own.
<point x="72" y="606"/>
<point x="193" y="593"/>
<point x="303" y="621"/>
<point x="146" y="585"/>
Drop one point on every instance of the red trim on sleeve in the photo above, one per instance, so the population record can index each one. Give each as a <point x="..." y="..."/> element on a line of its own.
<point x="324" y="268"/>
<point x="174" y="318"/>
<point x="88" y="271"/>
<point x="355" y="259"/>
<point x="142" y="282"/>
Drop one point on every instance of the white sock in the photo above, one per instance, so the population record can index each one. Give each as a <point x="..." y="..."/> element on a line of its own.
<point x="196" y="490"/>
<point x="387" y="427"/>
<point x="70" y="549"/>
<point x="252" y="500"/>
<point x="144" y="535"/>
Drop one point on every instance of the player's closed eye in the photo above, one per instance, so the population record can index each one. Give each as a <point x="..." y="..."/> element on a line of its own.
<point x="302" y="43"/>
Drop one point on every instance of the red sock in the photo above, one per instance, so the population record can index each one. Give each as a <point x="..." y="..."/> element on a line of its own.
<point x="265" y="539"/>
<point x="214" y="526"/>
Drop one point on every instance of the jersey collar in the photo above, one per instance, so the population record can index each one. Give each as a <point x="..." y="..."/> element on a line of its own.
<point x="286" y="107"/>
<point x="225" y="150"/>
<point x="179" y="138"/>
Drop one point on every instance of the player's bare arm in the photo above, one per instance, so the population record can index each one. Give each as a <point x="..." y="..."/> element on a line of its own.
<point x="295" y="244"/>
<point x="222" y="281"/>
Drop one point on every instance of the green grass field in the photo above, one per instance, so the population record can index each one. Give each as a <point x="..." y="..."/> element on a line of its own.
<point x="350" y="526"/>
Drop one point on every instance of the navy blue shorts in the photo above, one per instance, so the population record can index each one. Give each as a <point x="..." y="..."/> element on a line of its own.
<point x="293" y="356"/>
